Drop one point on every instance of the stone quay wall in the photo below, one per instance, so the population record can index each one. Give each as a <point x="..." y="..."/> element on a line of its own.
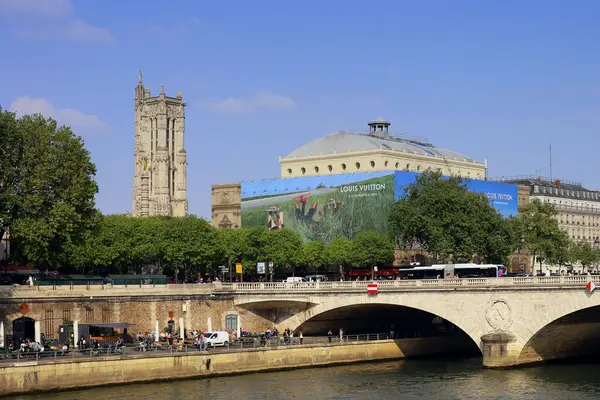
<point x="138" y="306"/>
<point x="32" y="376"/>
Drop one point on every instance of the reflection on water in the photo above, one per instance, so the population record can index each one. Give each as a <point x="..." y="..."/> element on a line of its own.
<point x="407" y="379"/>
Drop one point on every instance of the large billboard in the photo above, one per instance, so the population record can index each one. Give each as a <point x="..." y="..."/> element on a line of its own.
<point x="339" y="206"/>
<point x="503" y="196"/>
<point x="321" y="208"/>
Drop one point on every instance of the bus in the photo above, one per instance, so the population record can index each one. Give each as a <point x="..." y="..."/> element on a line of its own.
<point x="449" y="271"/>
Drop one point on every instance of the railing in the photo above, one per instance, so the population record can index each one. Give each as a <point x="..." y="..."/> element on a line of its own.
<point x="536" y="281"/>
<point x="164" y="349"/>
<point x="16" y="291"/>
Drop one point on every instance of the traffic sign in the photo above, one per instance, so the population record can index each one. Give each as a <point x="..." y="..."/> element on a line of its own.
<point x="372" y="288"/>
<point x="590" y="286"/>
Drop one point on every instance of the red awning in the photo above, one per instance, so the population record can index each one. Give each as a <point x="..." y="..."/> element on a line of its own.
<point x="359" y="272"/>
<point x="19" y="269"/>
<point x="387" y="272"/>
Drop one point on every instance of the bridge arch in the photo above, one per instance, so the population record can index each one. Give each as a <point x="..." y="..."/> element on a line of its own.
<point x="467" y="320"/>
<point x="570" y="331"/>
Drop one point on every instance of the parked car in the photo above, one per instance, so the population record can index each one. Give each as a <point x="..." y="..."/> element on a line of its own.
<point x="216" y="339"/>
<point x="295" y="279"/>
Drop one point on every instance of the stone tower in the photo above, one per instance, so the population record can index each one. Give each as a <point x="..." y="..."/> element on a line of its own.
<point x="159" y="183"/>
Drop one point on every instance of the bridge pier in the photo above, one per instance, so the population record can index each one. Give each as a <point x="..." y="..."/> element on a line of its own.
<point x="500" y="350"/>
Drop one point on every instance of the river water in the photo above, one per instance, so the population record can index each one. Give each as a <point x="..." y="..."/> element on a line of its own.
<point x="406" y="379"/>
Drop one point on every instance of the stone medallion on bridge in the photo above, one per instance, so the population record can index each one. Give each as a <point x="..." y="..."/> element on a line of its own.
<point x="499" y="315"/>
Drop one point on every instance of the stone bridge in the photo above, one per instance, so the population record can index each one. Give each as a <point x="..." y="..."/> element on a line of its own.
<point x="512" y="321"/>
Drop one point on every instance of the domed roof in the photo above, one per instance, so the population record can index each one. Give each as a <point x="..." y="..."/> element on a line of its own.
<point x="346" y="142"/>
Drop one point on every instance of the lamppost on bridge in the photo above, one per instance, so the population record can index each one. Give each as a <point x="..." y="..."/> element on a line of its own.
<point x="596" y="246"/>
<point x="226" y="223"/>
<point x="521" y="265"/>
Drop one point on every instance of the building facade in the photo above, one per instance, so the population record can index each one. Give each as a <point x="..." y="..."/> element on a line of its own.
<point x="577" y="208"/>
<point x="160" y="160"/>
<point x="377" y="150"/>
<point x="226" y="205"/>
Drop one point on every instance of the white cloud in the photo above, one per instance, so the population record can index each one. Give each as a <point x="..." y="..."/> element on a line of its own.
<point x="43" y="8"/>
<point x="262" y="101"/>
<point x="82" y="31"/>
<point x="179" y="28"/>
<point x="49" y="19"/>
<point x="80" y="122"/>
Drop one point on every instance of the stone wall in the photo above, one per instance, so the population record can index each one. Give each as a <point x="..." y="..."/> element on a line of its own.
<point x="68" y="374"/>
<point x="140" y="312"/>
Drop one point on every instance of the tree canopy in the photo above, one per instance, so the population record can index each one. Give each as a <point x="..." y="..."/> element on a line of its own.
<point x="440" y="215"/>
<point x="47" y="188"/>
<point x="541" y="233"/>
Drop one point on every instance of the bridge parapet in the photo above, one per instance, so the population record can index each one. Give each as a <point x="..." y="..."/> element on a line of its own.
<point x="489" y="283"/>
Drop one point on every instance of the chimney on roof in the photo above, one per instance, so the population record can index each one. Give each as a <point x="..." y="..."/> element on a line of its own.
<point x="380" y="128"/>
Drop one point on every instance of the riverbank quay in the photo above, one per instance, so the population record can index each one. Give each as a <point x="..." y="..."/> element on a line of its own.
<point x="77" y="373"/>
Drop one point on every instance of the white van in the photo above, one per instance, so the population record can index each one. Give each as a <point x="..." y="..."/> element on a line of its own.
<point x="216" y="339"/>
<point x="295" y="279"/>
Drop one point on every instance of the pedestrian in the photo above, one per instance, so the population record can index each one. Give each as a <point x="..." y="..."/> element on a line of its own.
<point x="291" y="337"/>
<point x="329" y="334"/>
<point x="341" y="335"/>
<point x="301" y="338"/>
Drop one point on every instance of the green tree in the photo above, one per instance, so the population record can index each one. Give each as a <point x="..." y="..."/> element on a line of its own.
<point x="442" y="216"/>
<point x="585" y="254"/>
<point x="47" y="188"/>
<point x="190" y="246"/>
<point x="314" y="255"/>
<point x="283" y="247"/>
<point x="541" y="232"/>
<point x="372" y="249"/>
<point x="561" y="252"/>
<point x="340" y="252"/>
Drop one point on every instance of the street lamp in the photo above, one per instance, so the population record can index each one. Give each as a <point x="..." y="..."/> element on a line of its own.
<point x="596" y="245"/>
<point x="521" y="266"/>
<point x="226" y="223"/>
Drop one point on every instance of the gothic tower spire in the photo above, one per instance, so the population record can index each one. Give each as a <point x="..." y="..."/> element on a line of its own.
<point x="160" y="161"/>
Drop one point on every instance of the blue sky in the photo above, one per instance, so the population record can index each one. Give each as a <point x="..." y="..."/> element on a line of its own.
<point x="492" y="80"/>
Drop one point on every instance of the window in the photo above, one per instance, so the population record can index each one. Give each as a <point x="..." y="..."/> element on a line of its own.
<point x="231" y="322"/>
<point x="289" y="171"/>
<point x="330" y="168"/>
<point x="357" y="165"/>
<point x="105" y="315"/>
<point x="317" y="170"/>
<point x="66" y="315"/>
<point x="397" y="165"/>
<point x="418" y="168"/>
<point x="49" y="322"/>
<point x="303" y="170"/>
<point x="89" y="315"/>
<point x="343" y="167"/>
<point x="372" y="164"/>
<point x="385" y="164"/>
<point x="407" y="168"/>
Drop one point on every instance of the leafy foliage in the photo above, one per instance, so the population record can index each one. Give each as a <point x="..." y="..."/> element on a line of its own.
<point x="372" y="249"/>
<point x="543" y="237"/>
<point x="441" y="216"/>
<point x="47" y="188"/>
<point x="314" y="255"/>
